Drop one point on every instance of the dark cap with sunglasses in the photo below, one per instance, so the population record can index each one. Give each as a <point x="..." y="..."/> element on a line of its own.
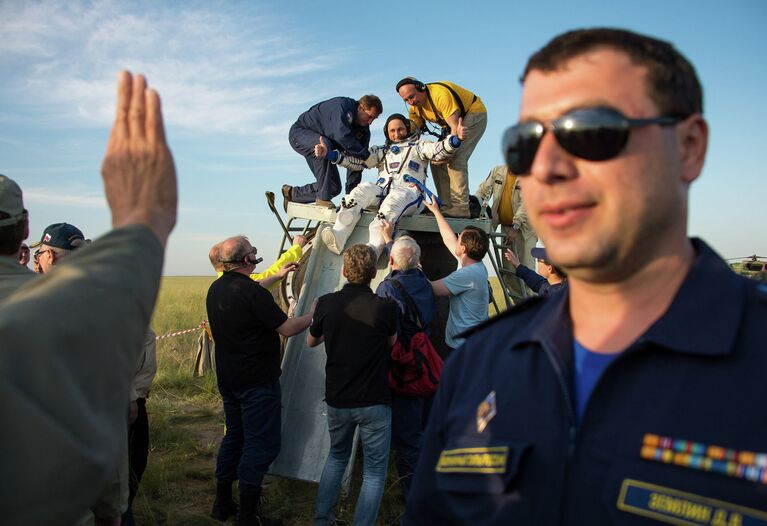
<point x="61" y="235"/>
<point x="594" y="134"/>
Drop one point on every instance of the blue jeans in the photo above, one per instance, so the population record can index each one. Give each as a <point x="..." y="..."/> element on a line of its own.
<point x="252" y="439"/>
<point x="375" y="434"/>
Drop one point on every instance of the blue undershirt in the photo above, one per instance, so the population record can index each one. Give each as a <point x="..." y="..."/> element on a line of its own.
<point x="589" y="367"/>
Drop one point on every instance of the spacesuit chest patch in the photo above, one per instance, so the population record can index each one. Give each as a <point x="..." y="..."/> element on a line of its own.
<point x="412" y="165"/>
<point x="394" y="166"/>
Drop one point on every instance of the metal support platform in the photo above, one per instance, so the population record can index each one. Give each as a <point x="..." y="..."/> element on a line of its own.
<point x="305" y="438"/>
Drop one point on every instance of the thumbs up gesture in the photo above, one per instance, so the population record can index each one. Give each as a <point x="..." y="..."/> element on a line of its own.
<point x="460" y="130"/>
<point x="321" y="149"/>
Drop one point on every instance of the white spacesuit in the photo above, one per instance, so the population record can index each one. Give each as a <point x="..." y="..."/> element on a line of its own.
<point x="392" y="193"/>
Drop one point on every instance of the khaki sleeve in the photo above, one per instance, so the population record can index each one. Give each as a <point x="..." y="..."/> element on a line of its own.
<point x="71" y="341"/>
<point x="147" y="370"/>
<point x="485" y="186"/>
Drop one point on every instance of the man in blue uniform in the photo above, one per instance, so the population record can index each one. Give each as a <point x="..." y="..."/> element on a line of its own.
<point x="345" y="123"/>
<point x="627" y="398"/>
<point x="550" y="279"/>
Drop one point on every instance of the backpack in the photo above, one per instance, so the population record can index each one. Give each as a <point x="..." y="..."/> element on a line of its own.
<point x="414" y="369"/>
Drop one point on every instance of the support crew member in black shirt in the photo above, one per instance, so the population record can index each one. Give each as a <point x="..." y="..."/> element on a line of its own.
<point x="358" y="329"/>
<point x="246" y="325"/>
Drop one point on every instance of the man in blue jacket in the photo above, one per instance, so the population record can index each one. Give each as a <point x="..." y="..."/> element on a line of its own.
<point x="408" y="412"/>
<point x="636" y="395"/>
<point x="550" y="279"/>
<point x="345" y="124"/>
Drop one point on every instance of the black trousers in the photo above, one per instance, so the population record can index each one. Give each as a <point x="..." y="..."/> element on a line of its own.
<point x="138" y="452"/>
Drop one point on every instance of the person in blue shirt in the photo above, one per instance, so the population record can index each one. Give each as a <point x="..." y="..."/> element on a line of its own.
<point x="408" y="412"/>
<point x="637" y="394"/>
<point x="547" y="280"/>
<point x="344" y="123"/>
<point x="467" y="287"/>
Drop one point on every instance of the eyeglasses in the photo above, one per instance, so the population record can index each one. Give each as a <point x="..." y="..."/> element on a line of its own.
<point x="594" y="134"/>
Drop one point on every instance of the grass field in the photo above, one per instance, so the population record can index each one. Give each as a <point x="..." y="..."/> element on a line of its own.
<point x="186" y="423"/>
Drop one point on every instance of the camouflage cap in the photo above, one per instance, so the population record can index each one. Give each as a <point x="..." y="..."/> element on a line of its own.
<point x="10" y="201"/>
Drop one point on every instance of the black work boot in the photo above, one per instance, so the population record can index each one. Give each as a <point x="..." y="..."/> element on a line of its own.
<point x="250" y="510"/>
<point x="224" y="505"/>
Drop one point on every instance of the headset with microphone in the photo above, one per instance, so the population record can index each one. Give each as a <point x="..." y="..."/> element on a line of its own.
<point x="419" y="86"/>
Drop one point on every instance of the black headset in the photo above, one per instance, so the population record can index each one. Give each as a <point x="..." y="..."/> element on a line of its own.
<point x="419" y="86"/>
<point x="398" y="116"/>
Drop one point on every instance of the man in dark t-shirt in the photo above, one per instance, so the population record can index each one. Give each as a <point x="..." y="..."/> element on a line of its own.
<point x="246" y="324"/>
<point x="358" y="329"/>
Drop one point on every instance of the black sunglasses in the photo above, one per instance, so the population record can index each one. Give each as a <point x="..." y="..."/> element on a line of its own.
<point x="594" y="134"/>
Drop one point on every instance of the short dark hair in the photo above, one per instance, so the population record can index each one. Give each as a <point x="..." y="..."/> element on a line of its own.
<point x="476" y="242"/>
<point x="360" y="264"/>
<point x="371" y="102"/>
<point x="11" y="236"/>
<point x="672" y="81"/>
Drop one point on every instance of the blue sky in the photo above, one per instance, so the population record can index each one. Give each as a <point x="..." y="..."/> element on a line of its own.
<point x="233" y="77"/>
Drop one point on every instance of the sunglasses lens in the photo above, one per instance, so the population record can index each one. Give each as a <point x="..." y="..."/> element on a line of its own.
<point x="520" y="142"/>
<point x="594" y="134"/>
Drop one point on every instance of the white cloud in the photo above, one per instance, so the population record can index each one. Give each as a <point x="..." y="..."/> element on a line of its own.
<point x="221" y="69"/>
<point x="57" y="197"/>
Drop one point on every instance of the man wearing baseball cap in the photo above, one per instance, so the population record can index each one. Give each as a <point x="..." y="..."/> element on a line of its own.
<point x="14" y="228"/>
<point x="58" y="240"/>
<point x="548" y="278"/>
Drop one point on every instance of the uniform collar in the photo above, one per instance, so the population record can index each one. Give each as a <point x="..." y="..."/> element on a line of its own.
<point x="703" y="318"/>
<point x="409" y="272"/>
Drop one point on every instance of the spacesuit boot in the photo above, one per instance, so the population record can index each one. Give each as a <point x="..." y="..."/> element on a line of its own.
<point x="376" y="240"/>
<point x="348" y="215"/>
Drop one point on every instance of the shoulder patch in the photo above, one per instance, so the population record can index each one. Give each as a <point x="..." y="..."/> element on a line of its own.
<point x="473" y="460"/>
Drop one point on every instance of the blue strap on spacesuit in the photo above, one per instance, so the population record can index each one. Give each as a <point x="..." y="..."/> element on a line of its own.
<point x="422" y="188"/>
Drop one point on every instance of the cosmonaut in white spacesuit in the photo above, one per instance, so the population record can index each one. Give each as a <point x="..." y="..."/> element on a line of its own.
<point x="402" y="164"/>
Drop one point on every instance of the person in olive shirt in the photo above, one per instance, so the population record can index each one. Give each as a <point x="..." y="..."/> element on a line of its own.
<point x="246" y="325"/>
<point x="14" y="228"/>
<point x="64" y="399"/>
<point x="358" y="329"/>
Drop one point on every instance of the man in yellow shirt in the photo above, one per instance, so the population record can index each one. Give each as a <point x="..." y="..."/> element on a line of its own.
<point x="501" y="187"/>
<point x="447" y="104"/>
<point x="291" y="255"/>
